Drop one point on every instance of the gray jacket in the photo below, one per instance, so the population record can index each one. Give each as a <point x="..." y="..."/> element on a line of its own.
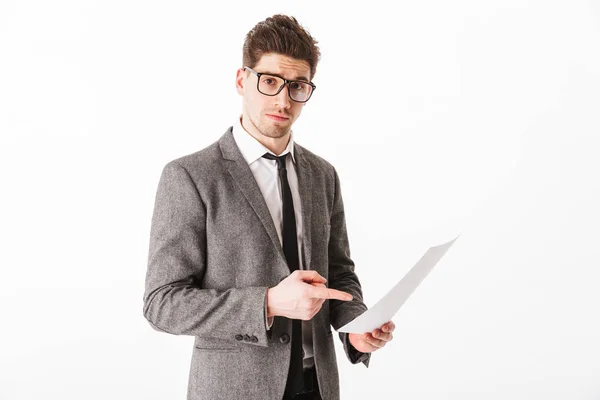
<point x="213" y="254"/>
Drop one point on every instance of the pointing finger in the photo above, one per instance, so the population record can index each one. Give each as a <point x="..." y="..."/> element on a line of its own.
<point x="325" y="293"/>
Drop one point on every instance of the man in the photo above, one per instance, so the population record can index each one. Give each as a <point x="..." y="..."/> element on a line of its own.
<point x="248" y="247"/>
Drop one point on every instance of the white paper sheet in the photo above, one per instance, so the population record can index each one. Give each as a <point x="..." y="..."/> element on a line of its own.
<point x="387" y="307"/>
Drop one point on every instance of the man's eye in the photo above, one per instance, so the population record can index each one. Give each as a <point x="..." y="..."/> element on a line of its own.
<point x="269" y="81"/>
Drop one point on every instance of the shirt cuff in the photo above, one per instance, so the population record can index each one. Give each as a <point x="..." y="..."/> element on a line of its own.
<point x="268" y="320"/>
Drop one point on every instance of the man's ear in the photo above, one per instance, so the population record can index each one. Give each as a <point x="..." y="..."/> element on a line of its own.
<point x="240" y="81"/>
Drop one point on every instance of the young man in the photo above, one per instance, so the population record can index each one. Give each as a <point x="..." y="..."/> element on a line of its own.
<point x="248" y="247"/>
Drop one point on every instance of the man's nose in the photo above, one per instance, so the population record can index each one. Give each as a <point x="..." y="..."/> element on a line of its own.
<point x="283" y="98"/>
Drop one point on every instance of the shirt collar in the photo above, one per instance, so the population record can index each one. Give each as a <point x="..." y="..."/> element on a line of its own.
<point x="251" y="148"/>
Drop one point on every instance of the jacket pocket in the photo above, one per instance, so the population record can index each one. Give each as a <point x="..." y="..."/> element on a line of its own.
<point x="215" y="345"/>
<point x="219" y="349"/>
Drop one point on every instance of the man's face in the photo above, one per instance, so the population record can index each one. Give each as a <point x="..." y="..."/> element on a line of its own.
<point x="258" y="108"/>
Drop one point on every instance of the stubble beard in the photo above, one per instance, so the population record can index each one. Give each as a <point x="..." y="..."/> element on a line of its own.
<point x="272" y="131"/>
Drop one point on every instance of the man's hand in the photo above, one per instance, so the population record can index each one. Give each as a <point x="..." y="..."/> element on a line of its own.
<point x="301" y="295"/>
<point x="371" y="341"/>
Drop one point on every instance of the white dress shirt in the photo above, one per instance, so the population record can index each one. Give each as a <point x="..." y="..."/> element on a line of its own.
<point x="266" y="175"/>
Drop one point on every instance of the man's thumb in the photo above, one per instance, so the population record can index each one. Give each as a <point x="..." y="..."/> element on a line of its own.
<point x="310" y="276"/>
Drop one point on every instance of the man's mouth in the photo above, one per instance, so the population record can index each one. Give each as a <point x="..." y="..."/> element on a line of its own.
<point x="277" y="118"/>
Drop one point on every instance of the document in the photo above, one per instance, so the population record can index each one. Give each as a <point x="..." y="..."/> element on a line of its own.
<point x="387" y="307"/>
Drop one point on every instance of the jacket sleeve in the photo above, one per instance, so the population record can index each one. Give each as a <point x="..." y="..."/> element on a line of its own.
<point x="342" y="277"/>
<point x="173" y="300"/>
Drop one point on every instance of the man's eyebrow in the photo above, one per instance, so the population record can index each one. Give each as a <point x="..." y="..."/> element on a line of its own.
<point x="299" y="78"/>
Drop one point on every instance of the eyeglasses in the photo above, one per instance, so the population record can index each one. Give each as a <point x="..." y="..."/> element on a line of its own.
<point x="271" y="85"/>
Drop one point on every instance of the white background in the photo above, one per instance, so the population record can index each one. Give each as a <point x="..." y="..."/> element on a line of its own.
<point x="480" y="117"/>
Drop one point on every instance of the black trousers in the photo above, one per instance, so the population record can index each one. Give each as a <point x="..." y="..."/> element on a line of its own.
<point x="311" y="387"/>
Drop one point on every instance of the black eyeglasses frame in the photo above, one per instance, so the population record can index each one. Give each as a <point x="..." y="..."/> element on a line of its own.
<point x="285" y="82"/>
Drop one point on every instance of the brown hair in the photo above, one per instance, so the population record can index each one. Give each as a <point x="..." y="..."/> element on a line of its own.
<point x="280" y="34"/>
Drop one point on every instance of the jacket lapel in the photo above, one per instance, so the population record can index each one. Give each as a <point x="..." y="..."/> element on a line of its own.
<point x="304" y="173"/>
<point x="241" y="173"/>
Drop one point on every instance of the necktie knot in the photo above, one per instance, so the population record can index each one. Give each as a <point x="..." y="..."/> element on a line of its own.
<point x="280" y="160"/>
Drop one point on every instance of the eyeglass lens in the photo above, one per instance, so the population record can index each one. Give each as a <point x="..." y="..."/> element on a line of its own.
<point x="269" y="85"/>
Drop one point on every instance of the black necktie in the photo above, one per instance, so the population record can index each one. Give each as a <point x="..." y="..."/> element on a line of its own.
<point x="290" y="249"/>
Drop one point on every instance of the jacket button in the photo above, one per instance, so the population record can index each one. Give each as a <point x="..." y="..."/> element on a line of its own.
<point x="239" y="337"/>
<point x="247" y="338"/>
<point x="285" y="338"/>
<point x="254" y="339"/>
